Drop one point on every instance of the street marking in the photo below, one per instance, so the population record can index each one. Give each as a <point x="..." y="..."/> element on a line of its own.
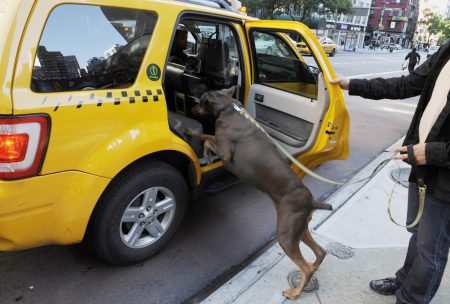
<point x="398" y="111"/>
<point x="376" y="74"/>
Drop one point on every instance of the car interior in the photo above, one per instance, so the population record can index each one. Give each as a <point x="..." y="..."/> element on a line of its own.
<point x="211" y="61"/>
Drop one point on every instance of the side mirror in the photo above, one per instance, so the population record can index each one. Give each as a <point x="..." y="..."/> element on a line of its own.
<point x="314" y="71"/>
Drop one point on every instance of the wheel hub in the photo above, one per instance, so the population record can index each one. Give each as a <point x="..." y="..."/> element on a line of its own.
<point x="147" y="217"/>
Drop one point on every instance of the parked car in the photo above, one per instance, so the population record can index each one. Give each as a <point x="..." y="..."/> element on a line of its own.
<point x="93" y="116"/>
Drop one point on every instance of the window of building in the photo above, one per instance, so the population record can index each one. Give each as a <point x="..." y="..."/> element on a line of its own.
<point x="104" y="50"/>
<point x="392" y="25"/>
<point x="400" y="12"/>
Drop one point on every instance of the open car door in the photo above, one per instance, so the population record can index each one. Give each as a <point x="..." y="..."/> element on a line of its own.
<point x="291" y="96"/>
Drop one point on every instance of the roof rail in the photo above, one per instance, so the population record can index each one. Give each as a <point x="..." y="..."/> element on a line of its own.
<point x="212" y="3"/>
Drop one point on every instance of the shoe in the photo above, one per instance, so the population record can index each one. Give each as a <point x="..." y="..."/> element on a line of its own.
<point x="385" y="287"/>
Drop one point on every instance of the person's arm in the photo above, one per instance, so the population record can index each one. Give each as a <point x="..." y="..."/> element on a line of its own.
<point x="407" y="56"/>
<point x="438" y="154"/>
<point x="392" y="88"/>
<point x="418" y="59"/>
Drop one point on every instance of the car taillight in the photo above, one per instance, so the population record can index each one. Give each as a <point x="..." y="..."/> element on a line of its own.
<point x="13" y="147"/>
<point x="23" y="142"/>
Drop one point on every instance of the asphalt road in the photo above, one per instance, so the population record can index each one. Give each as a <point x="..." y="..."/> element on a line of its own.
<point x="219" y="233"/>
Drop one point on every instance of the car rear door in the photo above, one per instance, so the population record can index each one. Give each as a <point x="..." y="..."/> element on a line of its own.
<point x="291" y="96"/>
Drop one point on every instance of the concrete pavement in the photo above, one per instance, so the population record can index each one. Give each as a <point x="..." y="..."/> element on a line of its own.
<point x="363" y="244"/>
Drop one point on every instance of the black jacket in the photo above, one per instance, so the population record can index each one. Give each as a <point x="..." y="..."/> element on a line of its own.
<point x="413" y="56"/>
<point x="420" y="82"/>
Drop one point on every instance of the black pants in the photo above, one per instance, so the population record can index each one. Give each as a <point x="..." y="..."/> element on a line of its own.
<point x="411" y="67"/>
<point x="428" y="250"/>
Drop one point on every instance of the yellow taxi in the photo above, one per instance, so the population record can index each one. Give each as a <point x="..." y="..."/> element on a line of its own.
<point x="96" y="97"/>
<point x="327" y="44"/>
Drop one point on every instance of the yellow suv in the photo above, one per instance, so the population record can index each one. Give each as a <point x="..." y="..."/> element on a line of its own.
<point x="327" y="44"/>
<point x="96" y="96"/>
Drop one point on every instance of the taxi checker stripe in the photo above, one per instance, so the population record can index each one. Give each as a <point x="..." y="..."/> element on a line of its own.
<point x="116" y="100"/>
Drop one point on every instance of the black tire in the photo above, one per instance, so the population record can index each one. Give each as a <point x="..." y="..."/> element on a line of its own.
<point x="333" y="52"/>
<point x="107" y="225"/>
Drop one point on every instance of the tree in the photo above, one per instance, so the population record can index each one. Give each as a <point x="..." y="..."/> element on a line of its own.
<point x="302" y="8"/>
<point x="436" y="24"/>
<point x="336" y="7"/>
<point x="267" y="8"/>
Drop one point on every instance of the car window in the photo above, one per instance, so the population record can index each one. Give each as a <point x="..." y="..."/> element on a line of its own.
<point x="280" y="67"/>
<point x="104" y="50"/>
<point x="211" y="50"/>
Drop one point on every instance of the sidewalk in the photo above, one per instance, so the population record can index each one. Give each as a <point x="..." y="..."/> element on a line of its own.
<point x="372" y="247"/>
<point x="366" y="50"/>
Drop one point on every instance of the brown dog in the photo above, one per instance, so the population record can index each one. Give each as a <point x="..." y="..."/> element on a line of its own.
<point x="248" y="153"/>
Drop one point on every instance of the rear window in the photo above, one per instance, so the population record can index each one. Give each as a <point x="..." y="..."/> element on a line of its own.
<point x="86" y="47"/>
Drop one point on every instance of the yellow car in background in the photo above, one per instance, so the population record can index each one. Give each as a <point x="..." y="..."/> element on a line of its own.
<point x="303" y="48"/>
<point x="328" y="46"/>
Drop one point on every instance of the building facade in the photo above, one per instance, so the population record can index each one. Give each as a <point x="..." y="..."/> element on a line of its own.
<point x="393" y="21"/>
<point x="348" y="31"/>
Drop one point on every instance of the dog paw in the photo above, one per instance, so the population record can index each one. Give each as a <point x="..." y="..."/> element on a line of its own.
<point x="291" y="293"/>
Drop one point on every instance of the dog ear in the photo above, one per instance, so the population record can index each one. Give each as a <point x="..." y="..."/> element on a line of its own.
<point x="229" y="91"/>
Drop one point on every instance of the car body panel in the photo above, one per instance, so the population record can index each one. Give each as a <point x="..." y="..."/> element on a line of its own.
<point x="58" y="215"/>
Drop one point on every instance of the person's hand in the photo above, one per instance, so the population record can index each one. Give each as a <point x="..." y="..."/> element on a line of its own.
<point x="343" y="82"/>
<point x="419" y="153"/>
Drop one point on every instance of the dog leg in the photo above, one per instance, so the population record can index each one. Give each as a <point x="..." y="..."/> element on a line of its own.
<point x="208" y="147"/>
<point x="319" y="252"/>
<point x="290" y="227"/>
<point x="201" y="136"/>
<point x="210" y="144"/>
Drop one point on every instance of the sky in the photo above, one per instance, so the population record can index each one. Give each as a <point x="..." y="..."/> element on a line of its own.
<point x="79" y="30"/>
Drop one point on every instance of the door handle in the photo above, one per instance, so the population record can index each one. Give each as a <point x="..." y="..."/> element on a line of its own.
<point x="259" y="97"/>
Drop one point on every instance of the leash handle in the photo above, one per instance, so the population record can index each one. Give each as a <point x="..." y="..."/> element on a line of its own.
<point x="422" y="189"/>
<point x="412" y="161"/>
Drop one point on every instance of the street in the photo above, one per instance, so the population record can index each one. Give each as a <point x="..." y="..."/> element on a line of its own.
<point x="220" y="234"/>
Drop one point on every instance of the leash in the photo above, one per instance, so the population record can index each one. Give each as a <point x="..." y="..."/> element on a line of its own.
<point x="245" y="114"/>
<point x="422" y="189"/>
<point x="411" y="159"/>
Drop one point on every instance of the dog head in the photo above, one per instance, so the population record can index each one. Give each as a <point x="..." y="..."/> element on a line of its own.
<point x="214" y="102"/>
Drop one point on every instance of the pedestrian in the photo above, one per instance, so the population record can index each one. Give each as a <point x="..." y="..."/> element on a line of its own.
<point x="414" y="59"/>
<point x="429" y="133"/>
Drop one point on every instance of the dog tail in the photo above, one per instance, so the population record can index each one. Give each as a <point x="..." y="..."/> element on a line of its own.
<point x="323" y="206"/>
